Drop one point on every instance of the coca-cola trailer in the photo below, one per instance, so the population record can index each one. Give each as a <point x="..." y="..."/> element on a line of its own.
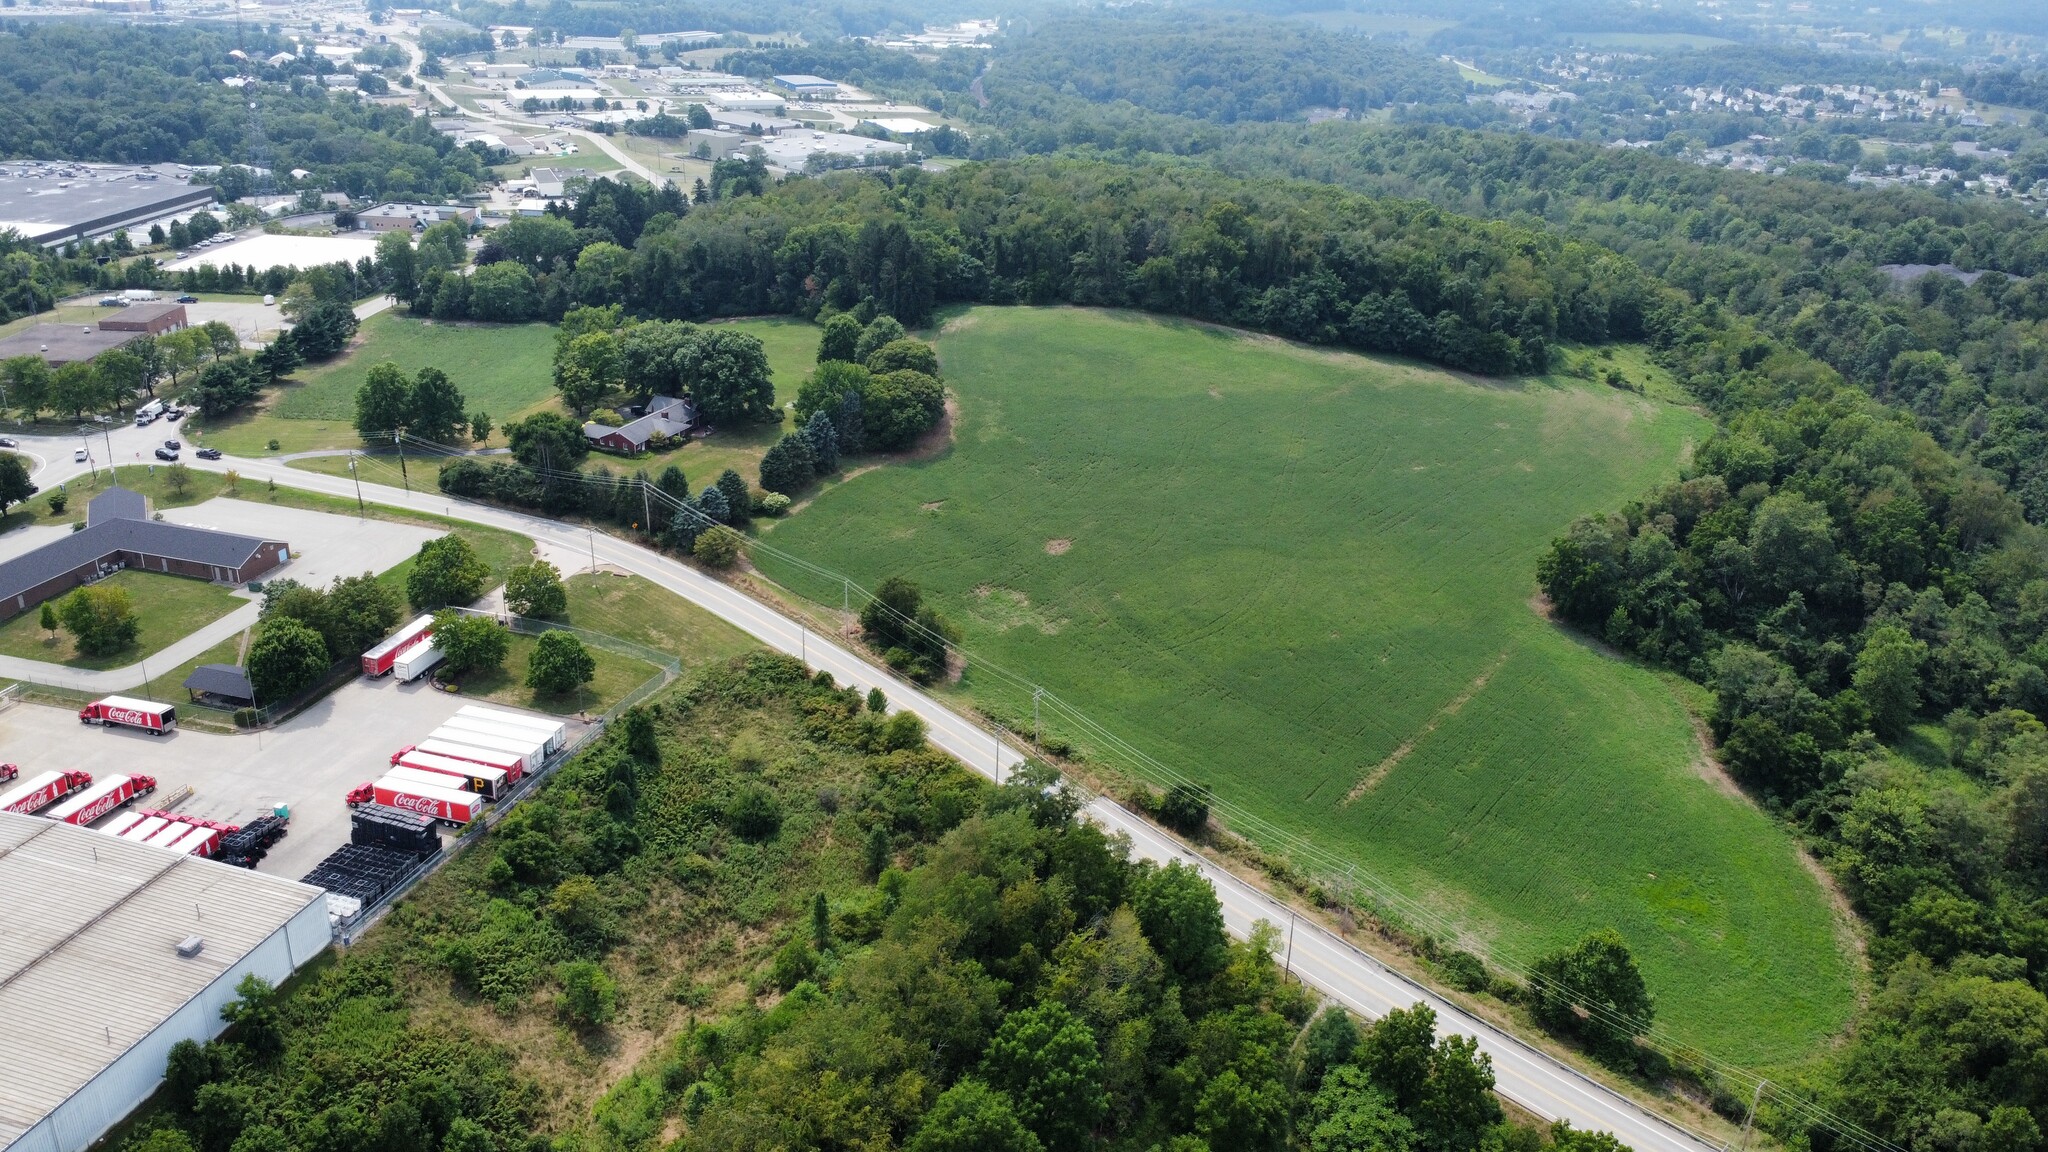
<point x="32" y="794"/>
<point x="451" y="805"/>
<point x="378" y="660"/>
<point x="128" y="712"/>
<point x="101" y="798"/>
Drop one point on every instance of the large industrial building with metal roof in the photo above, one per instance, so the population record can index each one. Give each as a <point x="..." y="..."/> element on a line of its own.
<point x="110" y="953"/>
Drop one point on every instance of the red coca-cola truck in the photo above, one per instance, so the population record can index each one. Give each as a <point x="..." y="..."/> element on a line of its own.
<point x="32" y="794"/>
<point x="102" y="798"/>
<point x="378" y="660"/>
<point x="128" y="712"/>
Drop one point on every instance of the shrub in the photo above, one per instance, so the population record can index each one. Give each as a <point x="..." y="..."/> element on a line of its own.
<point x="754" y="814"/>
<point x="771" y="504"/>
<point x="589" y="997"/>
<point x="559" y="664"/>
<point x="59" y="500"/>
<point x="1184" y="808"/>
<point x="717" y="548"/>
<point x="100" y="618"/>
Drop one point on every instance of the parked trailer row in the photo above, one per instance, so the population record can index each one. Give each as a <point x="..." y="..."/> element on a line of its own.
<point x="101" y="798"/>
<point x="379" y="660"/>
<point x="554" y="731"/>
<point x="513" y="763"/>
<point x="482" y="779"/>
<point x="128" y="712"/>
<point x="36" y="792"/>
<point x="531" y="750"/>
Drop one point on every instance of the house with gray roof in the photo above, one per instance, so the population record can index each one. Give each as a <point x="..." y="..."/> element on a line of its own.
<point x="119" y="534"/>
<point x="664" y="416"/>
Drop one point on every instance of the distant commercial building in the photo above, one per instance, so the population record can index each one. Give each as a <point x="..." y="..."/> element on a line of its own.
<point x="61" y="344"/>
<point x="553" y="183"/>
<point x="751" y="123"/>
<point x="714" y="143"/>
<point x="546" y="78"/>
<point x="413" y="217"/>
<point x="51" y="203"/>
<point x="807" y="86"/>
<point x="744" y="101"/>
<point x="150" y="319"/>
<point x="116" y="951"/>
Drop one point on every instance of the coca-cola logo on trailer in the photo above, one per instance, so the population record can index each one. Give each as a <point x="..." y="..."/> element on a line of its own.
<point x="98" y="808"/>
<point x="128" y="716"/>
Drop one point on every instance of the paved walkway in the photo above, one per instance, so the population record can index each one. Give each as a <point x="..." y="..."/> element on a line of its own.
<point x="121" y="679"/>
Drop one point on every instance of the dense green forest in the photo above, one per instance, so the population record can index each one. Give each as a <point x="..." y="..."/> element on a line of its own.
<point x="136" y="94"/>
<point x="1306" y="261"/>
<point x="814" y="932"/>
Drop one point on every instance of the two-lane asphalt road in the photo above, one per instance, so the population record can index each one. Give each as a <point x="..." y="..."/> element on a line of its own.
<point x="1534" y="1081"/>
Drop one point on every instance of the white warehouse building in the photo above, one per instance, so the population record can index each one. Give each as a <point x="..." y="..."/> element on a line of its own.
<point x="110" y="953"/>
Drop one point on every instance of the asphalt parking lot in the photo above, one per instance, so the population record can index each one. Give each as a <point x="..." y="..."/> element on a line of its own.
<point x="309" y="763"/>
<point x="324" y="545"/>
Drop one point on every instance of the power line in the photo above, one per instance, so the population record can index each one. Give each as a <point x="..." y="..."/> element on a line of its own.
<point x="1383" y="894"/>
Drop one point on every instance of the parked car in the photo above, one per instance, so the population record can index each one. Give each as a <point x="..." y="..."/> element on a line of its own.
<point x="78" y="455"/>
<point x="208" y="453"/>
<point x="173" y="414"/>
<point x="188" y="298"/>
<point x="173" y="445"/>
<point x="111" y="302"/>
<point x="8" y="442"/>
<point x="166" y="454"/>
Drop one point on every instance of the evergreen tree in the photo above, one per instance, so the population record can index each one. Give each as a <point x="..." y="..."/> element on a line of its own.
<point x="840" y="340"/>
<point x="712" y="503"/>
<point x="824" y="441"/>
<point x="739" y="499"/>
<point x="787" y="466"/>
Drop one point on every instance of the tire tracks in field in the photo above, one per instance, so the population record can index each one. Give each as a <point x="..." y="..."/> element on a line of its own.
<point x="1451" y="708"/>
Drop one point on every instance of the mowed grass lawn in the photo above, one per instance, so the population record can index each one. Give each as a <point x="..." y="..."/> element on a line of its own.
<point x="643" y="612"/>
<point x="503" y="369"/>
<point x="1306" y="578"/>
<point x="168" y="608"/>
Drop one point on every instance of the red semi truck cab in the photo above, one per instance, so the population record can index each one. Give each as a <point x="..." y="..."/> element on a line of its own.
<point x="148" y="715"/>
<point x="102" y="798"/>
<point x="41" y="790"/>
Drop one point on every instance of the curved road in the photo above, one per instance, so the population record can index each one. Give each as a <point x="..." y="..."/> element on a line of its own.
<point x="1536" y="1082"/>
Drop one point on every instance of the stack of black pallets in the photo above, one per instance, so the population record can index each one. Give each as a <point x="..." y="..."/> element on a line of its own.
<point x="376" y="824"/>
<point x="248" y="844"/>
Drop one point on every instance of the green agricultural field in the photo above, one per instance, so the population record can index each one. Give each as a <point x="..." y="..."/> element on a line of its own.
<point x="1307" y="578"/>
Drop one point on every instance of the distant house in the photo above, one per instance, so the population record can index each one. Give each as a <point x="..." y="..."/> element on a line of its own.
<point x="554" y="182"/>
<point x="661" y="416"/>
<point x="119" y="534"/>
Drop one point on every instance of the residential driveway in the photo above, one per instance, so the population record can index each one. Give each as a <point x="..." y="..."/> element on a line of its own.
<point x="309" y="763"/>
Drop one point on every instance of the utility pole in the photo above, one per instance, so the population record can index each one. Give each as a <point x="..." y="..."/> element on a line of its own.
<point x="1289" y="968"/>
<point x="86" y="441"/>
<point x="1037" y="737"/>
<point x="361" y="512"/>
<point x="397" y="438"/>
<point x="593" y="550"/>
<point x="1754" y="1099"/>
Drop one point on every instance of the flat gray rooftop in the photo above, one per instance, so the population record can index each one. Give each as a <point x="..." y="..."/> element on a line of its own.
<point x="50" y="203"/>
<point x="89" y="962"/>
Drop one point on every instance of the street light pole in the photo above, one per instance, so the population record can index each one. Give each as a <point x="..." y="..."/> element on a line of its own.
<point x="361" y="512"/>
<point x="407" y="480"/>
